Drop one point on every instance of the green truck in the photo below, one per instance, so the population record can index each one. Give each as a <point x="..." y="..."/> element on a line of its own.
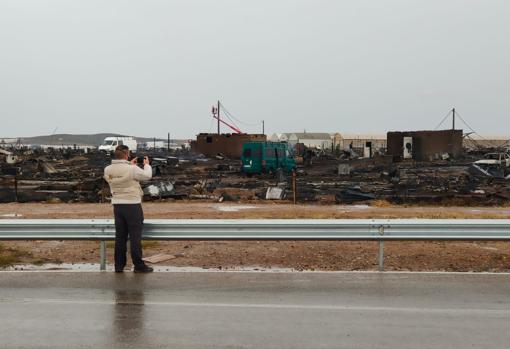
<point x="266" y="157"/>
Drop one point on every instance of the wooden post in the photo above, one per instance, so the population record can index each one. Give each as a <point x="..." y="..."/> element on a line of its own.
<point x="102" y="191"/>
<point x="15" y="188"/>
<point x="294" y="186"/>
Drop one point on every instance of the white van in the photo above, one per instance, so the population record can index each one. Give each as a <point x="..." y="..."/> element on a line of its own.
<point x="110" y="143"/>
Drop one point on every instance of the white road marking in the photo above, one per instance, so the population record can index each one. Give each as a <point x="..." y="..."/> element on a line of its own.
<point x="450" y="311"/>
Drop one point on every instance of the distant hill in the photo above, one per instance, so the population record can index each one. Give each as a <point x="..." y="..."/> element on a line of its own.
<point x="69" y="139"/>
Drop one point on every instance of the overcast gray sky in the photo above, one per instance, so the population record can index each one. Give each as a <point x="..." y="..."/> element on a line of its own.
<point x="151" y="67"/>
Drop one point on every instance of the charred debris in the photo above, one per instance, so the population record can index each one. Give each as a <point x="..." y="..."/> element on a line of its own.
<point x="475" y="177"/>
<point x="436" y="167"/>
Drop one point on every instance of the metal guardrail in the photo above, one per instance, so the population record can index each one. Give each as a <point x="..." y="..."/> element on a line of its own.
<point x="262" y="229"/>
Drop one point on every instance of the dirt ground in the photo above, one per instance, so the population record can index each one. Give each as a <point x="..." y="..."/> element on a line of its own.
<point x="300" y="255"/>
<point x="274" y="209"/>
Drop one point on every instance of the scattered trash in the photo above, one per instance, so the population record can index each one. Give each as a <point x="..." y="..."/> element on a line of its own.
<point x="161" y="189"/>
<point x="227" y="197"/>
<point x="353" y="194"/>
<point x="77" y="176"/>
<point x="203" y="196"/>
<point x="344" y="169"/>
<point x="46" y="167"/>
<point x="487" y="170"/>
<point x="275" y="193"/>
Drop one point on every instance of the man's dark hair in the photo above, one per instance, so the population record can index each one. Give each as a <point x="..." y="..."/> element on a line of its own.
<point x="121" y="151"/>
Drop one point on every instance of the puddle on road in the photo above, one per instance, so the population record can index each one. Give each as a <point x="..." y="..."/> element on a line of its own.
<point x="94" y="267"/>
<point x="11" y="215"/>
<point x="54" y="266"/>
<point x="353" y="207"/>
<point x="233" y="208"/>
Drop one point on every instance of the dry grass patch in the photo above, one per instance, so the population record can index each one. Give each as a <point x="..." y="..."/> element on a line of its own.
<point x="10" y="256"/>
<point x="381" y="203"/>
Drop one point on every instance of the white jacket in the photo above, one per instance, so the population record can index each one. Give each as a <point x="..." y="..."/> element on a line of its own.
<point x="124" y="180"/>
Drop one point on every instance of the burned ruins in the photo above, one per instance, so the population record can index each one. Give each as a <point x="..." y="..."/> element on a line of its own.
<point x="425" y="167"/>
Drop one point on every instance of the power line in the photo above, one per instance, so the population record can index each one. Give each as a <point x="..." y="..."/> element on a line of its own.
<point x="228" y="117"/>
<point x="469" y="126"/>
<point x="473" y="141"/>
<point x="506" y="142"/>
<point x="226" y="113"/>
<point x="233" y="117"/>
<point x="444" y="119"/>
<point x="465" y="123"/>
<point x="473" y="130"/>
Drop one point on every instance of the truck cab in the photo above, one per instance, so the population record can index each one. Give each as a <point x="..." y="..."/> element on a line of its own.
<point x="266" y="157"/>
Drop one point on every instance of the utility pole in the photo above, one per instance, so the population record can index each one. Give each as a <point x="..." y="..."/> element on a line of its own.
<point x="453" y="119"/>
<point x="218" y="117"/>
<point x="168" y="143"/>
<point x="263" y="128"/>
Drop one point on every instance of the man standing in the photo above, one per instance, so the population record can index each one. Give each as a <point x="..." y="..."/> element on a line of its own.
<point x="124" y="178"/>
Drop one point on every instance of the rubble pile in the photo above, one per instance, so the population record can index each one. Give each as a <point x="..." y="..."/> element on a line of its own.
<point x="436" y="182"/>
<point x="53" y="176"/>
<point x="76" y="176"/>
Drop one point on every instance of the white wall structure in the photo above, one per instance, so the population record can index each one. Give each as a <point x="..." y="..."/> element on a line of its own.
<point x="284" y="137"/>
<point x="359" y="141"/>
<point x="332" y="140"/>
<point x="275" y="137"/>
<point x="279" y="137"/>
<point x="312" y="140"/>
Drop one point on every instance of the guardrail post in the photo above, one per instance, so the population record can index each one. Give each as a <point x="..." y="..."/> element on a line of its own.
<point x="102" y="255"/>
<point x="381" y="249"/>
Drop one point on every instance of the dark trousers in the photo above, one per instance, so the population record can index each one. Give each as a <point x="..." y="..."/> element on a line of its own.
<point x="128" y="224"/>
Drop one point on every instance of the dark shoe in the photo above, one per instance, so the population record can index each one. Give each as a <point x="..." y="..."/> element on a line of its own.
<point x="144" y="269"/>
<point x="119" y="270"/>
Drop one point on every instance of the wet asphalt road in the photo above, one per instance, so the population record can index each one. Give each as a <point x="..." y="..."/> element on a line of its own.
<point x="253" y="310"/>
